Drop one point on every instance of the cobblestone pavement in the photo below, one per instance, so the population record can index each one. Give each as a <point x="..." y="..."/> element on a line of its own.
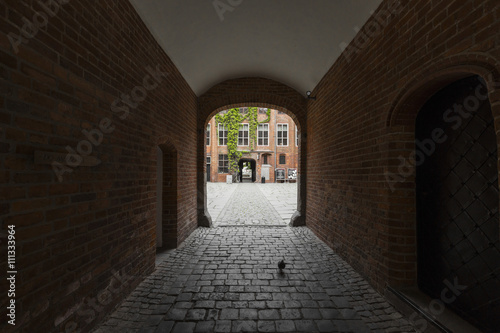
<point x="217" y="196"/>
<point x="248" y="206"/>
<point x="251" y="203"/>
<point x="282" y="196"/>
<point x="226" y="280"/>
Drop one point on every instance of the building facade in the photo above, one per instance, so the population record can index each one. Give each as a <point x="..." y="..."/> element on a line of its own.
<point x="274" y="156"/>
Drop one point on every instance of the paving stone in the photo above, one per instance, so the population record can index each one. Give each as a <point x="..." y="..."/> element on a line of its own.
<point x="183" y="305"/>
<point x="275" y="304"/>
<point x="176" y="314"/>
<point x="330" y="314"/>
<point x="205" y="304"/>
<point x="248" y="314"/>
<point x="229" y="314"/>
<point x="292" y="304"/>
<point x="311" y="314"/>
<point x="184" y="327"/>
<point x="269" y="314"/>
<point x="223" y="304"/>
<point x="285" y="326"/>
<point x="305" y="326"/>
<point x="257" y="304"/>
<point x="244" y="326"/>
<point x="247" y="297"/>
<point x="196" y="314"/>
<point x="213" y="314"/>
<point x="309" y="304"/>
<point x="326" y="326"/>
<point x="332" y="295"/>
<point x="240" y="304"/>
<point x="223" y="326"/>
<point x="266" y="326"/>
<point x="205" y="326"/>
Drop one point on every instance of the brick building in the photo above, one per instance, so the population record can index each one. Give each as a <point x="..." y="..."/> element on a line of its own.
<point x="276" y="148"/>
<point x="103" y="113"/>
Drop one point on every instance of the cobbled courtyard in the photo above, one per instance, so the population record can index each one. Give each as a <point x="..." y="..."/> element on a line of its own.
<point x="226" y="278"/>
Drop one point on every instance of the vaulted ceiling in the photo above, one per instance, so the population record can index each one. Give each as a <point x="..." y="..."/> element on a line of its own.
<point x="291" y="41"/>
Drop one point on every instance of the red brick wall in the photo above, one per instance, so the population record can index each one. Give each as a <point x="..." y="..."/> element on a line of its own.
<point x="363" y="119"/>
<point x="73" y="235"/>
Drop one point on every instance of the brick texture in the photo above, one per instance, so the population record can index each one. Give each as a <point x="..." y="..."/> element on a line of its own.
<point x="85" y="242"/>
<point x="364" y="118"/>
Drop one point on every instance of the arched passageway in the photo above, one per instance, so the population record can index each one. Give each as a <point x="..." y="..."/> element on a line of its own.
<point x="252" y="92"/>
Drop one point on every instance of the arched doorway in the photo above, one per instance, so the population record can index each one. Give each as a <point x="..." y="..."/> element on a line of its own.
<point x="166" y="197"/>
<point x="251" y="92"/>
<point x="457" y="202"/>
<point x="252" y="165"/>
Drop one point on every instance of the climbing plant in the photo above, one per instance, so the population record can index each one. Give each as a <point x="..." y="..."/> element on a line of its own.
<point x="231" y="121"/>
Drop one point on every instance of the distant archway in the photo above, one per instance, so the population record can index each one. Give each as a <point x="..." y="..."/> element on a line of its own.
<point x="253" y="166"/>
<point x="246" y="92"/>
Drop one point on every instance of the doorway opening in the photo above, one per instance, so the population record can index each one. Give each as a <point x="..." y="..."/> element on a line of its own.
<point x="260" y="147"/>
<point x="247" y="170"/>
<point x="166" y="197"/>
<point x="457" y="202"/>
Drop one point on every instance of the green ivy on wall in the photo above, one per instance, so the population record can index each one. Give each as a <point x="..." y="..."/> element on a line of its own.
<point x="231" y="121"/>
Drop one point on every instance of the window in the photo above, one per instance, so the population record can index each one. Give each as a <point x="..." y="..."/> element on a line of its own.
<point x="243" y="110"/>
<point x="282" y="135"/>
<point x="281" y="112"/>
<point x="243" y="135"/>
<point x="222" y="135"/>
<point x="262" y="110"/>
<point x="296" y="136"/>
<point x="223" y="163"/>
<point x="282" y="159"/>
<point x="208" y="135"/>
<point x="263" y="135"/>
<point x="265" y="159"/>
<point x="208" y="159"/>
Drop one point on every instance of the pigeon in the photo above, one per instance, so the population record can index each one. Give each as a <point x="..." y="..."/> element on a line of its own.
<point x="281" y="266"/>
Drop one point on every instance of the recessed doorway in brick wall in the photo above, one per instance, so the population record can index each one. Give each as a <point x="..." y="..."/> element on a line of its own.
<point x="166" y="197"/>
<point x="457" y="202"/>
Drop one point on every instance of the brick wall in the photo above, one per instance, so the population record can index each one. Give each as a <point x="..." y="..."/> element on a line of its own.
<point x="364" y="119"/>
<point x="84" y="242"/>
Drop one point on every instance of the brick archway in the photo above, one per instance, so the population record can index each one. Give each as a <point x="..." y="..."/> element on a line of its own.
<point x="251" y="92"/>
<point x="400" y="124"/>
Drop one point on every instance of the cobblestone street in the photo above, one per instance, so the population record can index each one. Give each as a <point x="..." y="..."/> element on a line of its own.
<point x="251" y="203"/>
<point x="226" y="279"/>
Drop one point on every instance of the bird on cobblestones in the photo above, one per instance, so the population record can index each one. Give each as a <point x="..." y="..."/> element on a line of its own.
<point x="281" y="266"/>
